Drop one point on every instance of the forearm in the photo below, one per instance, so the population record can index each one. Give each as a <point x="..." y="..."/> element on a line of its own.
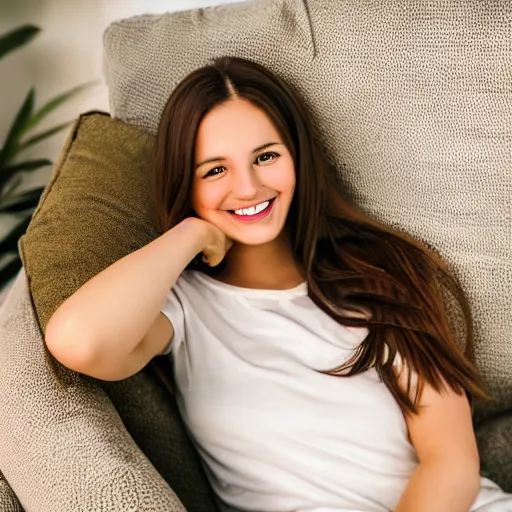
<point x="441" y="486"/>
<point x="110" y="314"/>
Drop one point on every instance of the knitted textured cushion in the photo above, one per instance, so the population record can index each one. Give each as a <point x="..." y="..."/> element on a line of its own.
<point x="413" y="100"/>
<point x="64" y="448"/>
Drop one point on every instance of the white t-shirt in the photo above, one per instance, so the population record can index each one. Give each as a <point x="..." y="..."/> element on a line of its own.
<point x="274" y="434"/>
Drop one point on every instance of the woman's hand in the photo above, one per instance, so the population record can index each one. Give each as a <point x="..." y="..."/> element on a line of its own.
<point x="216" y="243"/>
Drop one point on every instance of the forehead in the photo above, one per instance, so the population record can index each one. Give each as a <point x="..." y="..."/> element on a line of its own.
<point x="237" y="125"/>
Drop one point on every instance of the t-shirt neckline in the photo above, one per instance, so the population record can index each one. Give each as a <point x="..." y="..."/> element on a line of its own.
<point x="297" y="291"/>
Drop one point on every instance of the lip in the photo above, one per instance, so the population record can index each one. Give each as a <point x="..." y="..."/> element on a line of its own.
<point x="256" y="217"/>
<point x="251" y="205"/>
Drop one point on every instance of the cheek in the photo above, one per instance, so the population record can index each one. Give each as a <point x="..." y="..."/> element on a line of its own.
<point x="284" y="180"/>
<point x="205" y="198"/>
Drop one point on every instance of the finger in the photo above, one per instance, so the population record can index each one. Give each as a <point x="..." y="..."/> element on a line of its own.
<point x="214" y="262"/>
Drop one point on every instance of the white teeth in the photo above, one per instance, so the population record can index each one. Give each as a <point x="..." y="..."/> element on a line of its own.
<point x="253" y="210"/>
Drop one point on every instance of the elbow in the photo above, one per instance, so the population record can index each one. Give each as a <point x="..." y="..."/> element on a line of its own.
<point x="470" y="483"/>
<point x="84" y="356"/>
<point x="68" y="348"/>
<point x="474" y="483"/>
<point x="470" y="468"/>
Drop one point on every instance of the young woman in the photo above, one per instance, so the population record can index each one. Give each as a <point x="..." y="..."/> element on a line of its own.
<point x="314" y="363"/>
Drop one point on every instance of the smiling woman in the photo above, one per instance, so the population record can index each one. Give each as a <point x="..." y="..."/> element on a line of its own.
<point x="314" y="363"/>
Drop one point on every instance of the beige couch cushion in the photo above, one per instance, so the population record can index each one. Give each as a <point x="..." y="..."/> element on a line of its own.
<point x="63" y="449"/>
<point x="413" y="100"/>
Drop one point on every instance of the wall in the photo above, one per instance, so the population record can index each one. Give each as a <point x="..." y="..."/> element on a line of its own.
<point x="67" y="52"/>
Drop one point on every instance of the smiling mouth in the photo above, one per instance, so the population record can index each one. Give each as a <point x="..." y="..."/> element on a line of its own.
<point x="253" y="214"/>
<point x="253" y="210"/>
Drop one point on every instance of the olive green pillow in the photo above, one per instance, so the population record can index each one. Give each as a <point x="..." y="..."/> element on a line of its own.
<point x="96" y="209"/>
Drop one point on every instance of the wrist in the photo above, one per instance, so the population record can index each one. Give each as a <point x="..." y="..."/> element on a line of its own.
<point x="198" y="230"/>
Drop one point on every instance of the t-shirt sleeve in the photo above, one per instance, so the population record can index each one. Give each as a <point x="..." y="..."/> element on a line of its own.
<point x="173" y="310"/>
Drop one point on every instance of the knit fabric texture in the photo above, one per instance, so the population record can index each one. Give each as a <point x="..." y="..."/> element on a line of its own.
<point x="64" y="447"/>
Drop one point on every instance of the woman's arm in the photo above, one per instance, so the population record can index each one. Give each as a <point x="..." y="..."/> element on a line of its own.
<point x="448" y="476"/>
<point x="99" y="329"/>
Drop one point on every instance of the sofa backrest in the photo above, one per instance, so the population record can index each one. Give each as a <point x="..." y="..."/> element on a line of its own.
<point x="413" y="101"/>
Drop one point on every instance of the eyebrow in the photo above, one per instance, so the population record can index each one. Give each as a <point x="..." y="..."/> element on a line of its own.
<point x="218" y="158"/>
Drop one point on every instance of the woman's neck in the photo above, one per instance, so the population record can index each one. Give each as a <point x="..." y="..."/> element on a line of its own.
<point x="270" y="266"/>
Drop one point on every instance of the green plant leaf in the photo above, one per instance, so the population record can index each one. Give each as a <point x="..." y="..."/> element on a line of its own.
<point x="55" y="103"/>
<point x="10" y="241"/>
<point x="9" y="271"/>
<point x="17" y="38"/>
<point x="11" y="145"/>
<point x="23" y="201"/>
<point x="43" y="135"/>
<point x="9" y="188"/>
<point x="31" y="165"/>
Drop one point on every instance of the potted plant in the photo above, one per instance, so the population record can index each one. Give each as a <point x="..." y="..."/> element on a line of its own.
<point x="19" y="137"/>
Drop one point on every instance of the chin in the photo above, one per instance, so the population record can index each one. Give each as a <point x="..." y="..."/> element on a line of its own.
<point x="256" y="239"/>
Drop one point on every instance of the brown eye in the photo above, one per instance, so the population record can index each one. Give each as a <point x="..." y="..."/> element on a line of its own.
<point x="271" y="154"/>
<point x="213" y="172"/>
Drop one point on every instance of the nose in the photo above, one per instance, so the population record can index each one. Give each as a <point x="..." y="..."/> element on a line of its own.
<point x="245" y="183"/>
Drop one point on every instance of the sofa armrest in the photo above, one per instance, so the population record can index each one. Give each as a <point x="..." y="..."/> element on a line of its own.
<point x="64" y="447"/>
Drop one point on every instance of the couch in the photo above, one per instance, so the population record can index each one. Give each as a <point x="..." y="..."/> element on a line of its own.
<point x="412" y="101"/>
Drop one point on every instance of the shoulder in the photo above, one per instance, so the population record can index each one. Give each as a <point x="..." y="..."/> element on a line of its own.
<point x="189" y="280"/>
<point x="193" y="288"/>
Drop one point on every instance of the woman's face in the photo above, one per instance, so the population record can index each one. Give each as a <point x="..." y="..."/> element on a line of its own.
<point x="244" y="178"/>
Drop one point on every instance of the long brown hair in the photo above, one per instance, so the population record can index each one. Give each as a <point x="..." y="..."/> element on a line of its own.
<point x="359" y="271"/>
